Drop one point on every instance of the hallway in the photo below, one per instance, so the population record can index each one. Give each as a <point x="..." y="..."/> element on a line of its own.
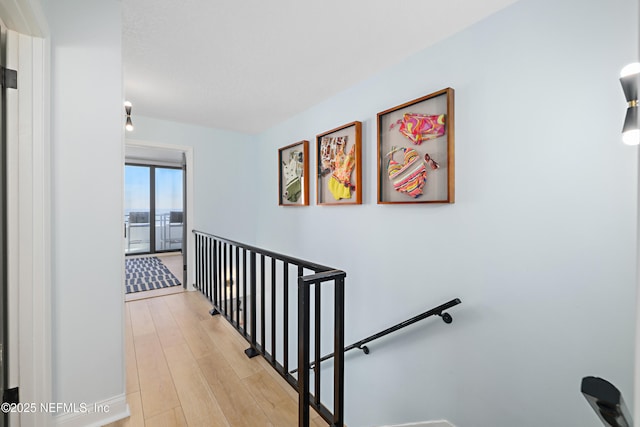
<point x="186" y="368"/>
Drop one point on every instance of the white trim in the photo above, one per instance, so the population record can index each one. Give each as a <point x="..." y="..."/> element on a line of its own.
<point x="188" y="152"/>
<point x="115" y="409"/>
<point x="33" y="204"/>
<point x="18" y="204"/>
<point x="24" y="16"/>
<point x="40" y="374"/>
<point x="151" y="162"/>
<point x="29" y="219"/>
<point x="439" y="423"/>
<point x="636" y="388"/>
<point x="636" y="394"/>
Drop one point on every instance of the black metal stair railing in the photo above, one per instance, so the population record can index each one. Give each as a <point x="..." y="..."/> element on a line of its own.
<point x="606" y="400"/>
<point x="361" y="345"/>
<point x="245" y="283"/>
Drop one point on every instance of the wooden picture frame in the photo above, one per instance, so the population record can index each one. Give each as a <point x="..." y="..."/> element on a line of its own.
<point x="339" y="166"/>
<point x="417" y="140"/>
<point x="293" y="174"/>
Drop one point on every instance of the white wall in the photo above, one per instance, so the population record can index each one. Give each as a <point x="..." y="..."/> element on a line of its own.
<point x="540" y="244"/>
<point x="87" y="182"/>
<point x="225" y="179"/>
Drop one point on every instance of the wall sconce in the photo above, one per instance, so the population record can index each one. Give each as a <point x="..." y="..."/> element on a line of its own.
<point x="630" y="81"/>
<point x="127" y="109"/>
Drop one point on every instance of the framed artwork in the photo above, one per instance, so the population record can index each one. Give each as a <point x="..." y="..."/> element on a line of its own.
<point x="339" y="170"/>
<point x="416" y="151"/>
<point x="293" y="173"/>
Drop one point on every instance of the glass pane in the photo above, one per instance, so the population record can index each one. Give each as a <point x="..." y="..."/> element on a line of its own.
<point x="137" y="189"/>
<point x="169" y="218"/>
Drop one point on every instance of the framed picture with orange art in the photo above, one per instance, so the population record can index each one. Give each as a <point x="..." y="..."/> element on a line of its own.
<point x="416" y="158"/>
<point x="339" y="170"/>
<point x="293" y="174"/>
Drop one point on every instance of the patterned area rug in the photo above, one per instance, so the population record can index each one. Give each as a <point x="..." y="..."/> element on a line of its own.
<point x="145" y="274"/>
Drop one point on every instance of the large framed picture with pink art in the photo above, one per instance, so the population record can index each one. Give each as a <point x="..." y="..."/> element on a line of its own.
<point x="416" y="159"/>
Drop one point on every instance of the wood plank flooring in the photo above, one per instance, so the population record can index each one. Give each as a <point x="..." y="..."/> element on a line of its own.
<point x="186" y="368"/>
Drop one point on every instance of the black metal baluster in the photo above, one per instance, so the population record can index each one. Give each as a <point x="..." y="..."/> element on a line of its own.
<point x="210" y="268"/>
<point x="303" y="352"/>
<point x="244" y="291"/>
<point x="262" y="306"/>
<point x="198" y="262"/>
<point x="316" y="348"/>
<point x="203" y="264"/>
<point x="285" y="321"/>
<point x="229" y="289"/>
<point x="252" y="351"/>
<point x="202" y="261"/>
<point x="219" y="274"/>
<point x="207" y="265"/>
<point x="300" y="274"/>
<point x="207" y="269"/>
<point x="225" y="282"/>
<point x="214" y="264"/>
<point x="235" y="288"/>
<point x="338" y="348"/>
<point x="273" y="311"/>
<point x="213" y="267"/>
<point x="214" y="276"/>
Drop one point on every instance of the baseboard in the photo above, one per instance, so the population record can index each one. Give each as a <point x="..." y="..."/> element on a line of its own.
<point x="439" y="423"/>
<point x="95" y="415"/>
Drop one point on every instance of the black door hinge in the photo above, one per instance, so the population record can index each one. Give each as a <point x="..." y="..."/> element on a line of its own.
<point x="11" y="395"/>
<point x="9" y="78"/>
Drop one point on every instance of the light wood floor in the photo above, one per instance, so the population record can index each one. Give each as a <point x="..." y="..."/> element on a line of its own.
<point x="186" y="368"/>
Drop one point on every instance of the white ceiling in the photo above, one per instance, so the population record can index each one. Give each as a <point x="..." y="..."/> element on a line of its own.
<point x="248" y="65"/>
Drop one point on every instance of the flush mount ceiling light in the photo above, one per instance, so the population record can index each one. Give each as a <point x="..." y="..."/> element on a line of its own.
<point x="127" y="109"/>
<point x="630" y="81"/>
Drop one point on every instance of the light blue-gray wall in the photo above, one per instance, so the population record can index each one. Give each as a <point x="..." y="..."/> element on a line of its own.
<point x="224" y="176"/>
<point x="540" y="244"/>
<point x="86" y="199"/>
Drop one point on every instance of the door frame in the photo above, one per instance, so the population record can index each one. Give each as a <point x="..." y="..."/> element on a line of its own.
<point x="28" y="125"/>
<point x="188" y="155"/>
<point x="29" y="225"/>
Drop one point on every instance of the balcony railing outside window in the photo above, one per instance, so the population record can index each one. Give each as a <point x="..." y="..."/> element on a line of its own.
<point x="168" y="230"/>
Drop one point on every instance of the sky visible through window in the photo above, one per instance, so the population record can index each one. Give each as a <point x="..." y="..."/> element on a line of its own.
<point x="168" y="187"/>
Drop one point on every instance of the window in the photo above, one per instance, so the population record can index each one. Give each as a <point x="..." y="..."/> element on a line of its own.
<point x="153" y="211"/>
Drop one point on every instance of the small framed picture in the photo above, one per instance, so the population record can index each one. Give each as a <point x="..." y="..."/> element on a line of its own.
<point x="339" y="171"/>
<point x="416" y="151"/>
<point x="293" y="173"/>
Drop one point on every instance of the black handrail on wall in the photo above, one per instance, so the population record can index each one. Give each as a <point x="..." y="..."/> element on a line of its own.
<point x="360" y="345"/>
<point x="232" y="275"/>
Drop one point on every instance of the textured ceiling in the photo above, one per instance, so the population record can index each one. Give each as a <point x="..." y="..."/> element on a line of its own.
<point x="248" y="65"/>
